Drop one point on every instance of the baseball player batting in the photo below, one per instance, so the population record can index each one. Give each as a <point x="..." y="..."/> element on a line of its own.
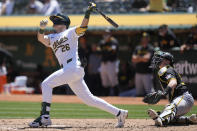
<point x="181" y="101"/>
<point x="64" y="44"/>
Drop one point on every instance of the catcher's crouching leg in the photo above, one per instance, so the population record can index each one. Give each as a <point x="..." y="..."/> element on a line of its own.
<point x="182" y="120"/>
<point x="167" y="115"/>
<point x="186" y="120"/>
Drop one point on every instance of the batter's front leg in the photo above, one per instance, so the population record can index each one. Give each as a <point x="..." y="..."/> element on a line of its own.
<point x="54" y="80"/>
<point x="81" y="90"/>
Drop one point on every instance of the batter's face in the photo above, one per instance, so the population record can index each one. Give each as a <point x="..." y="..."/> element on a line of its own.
<point x="59" y="28"/>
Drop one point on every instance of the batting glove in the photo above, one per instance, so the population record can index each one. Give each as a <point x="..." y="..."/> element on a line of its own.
<point x="43" y="23"/>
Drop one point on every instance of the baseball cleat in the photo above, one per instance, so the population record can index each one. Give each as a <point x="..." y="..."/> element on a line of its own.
<point x="193" y="119"/>
<point x="121" y="118"/>
<point x="41" y="121"/>
<point x="152" y="114"/>
<point x="158" y="122"/>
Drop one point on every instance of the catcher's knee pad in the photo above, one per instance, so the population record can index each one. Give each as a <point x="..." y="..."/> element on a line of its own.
<point x="168" y="113"/>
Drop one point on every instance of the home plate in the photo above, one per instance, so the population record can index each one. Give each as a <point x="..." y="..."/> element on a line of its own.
<point x="59" y="126"/>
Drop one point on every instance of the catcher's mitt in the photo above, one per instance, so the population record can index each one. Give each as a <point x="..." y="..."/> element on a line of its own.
<point x="153" y="98"/>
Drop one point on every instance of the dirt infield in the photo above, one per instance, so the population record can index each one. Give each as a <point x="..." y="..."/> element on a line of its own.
<point x="90" y="125"/>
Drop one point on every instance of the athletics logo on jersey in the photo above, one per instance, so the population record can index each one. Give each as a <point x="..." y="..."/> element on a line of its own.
<point x="59" y="44"/>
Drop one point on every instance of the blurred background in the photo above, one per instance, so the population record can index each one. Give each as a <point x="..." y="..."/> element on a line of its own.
<point x="117" y="59"/>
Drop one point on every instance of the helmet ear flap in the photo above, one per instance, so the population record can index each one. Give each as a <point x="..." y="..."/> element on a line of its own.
<point x="169" y="57"/>
<point x="156" y="60"/>
<point x="172" y="63"/>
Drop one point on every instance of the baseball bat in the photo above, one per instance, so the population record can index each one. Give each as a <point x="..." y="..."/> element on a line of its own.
<point x="114" y="24"/>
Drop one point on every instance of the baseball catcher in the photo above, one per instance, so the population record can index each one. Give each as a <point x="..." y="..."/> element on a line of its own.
<point x="181" y="101"/>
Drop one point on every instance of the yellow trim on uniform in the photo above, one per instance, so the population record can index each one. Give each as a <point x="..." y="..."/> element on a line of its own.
<point x="162" y="71"/>
<point x="162" y="80"/>
<point x="177" y="104"/>
<point x="171" y="79"/>
<point x="166" y="116"/>
<point x="59" y="17"/>
<point x="180" y="100"/>
<point x="171" y="110"/>
<point x="80" y="30"/>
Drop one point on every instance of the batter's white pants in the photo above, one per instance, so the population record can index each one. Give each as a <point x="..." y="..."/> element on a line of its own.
<point x="73" y="75"/>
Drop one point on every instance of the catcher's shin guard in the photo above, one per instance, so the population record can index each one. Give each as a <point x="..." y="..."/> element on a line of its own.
<point x="168" y="114"/>
<point x="158" y="122"/>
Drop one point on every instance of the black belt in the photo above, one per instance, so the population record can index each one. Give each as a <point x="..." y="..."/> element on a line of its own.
<point x="68" y="61"/>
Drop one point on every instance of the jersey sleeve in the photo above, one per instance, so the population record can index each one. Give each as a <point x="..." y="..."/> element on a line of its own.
<point x="166" y="74"/>
<point x="81" y="30"/>
<point x="170" y="74"/>
<point x="78" y="31"/>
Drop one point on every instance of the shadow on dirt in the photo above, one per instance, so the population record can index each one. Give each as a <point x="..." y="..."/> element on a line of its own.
<point x="60" y="127"/>
<point x="170" y="125"/>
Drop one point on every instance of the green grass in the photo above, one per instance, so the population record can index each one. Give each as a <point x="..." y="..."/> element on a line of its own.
<point x="78" y="111"/>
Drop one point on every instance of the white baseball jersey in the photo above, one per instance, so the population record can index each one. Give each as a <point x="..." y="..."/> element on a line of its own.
<point x="65" y="45"/>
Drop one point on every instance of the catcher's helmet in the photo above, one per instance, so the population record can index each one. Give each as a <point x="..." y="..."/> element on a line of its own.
<point x="60" y="19"/>
<point x="159" y="56"/>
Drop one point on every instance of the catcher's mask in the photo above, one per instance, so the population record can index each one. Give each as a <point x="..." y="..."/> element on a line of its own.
<point x="60" y="19"/>
<point x="159" y="56"/>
